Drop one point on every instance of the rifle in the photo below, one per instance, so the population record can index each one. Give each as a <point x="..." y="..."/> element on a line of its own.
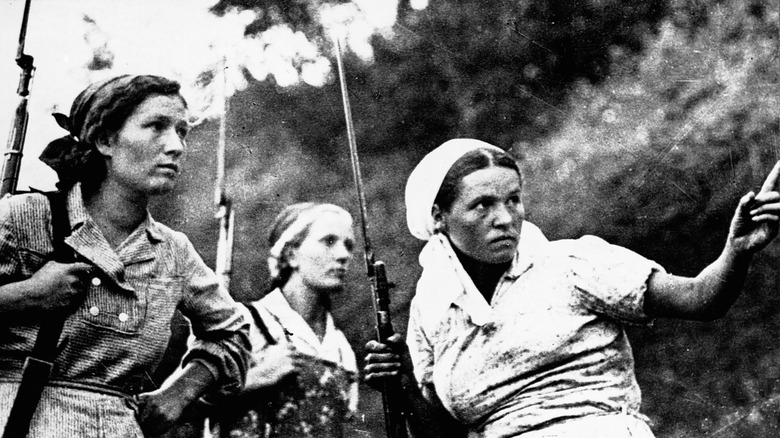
<point x="224" y="263"/>
<point x="392" y="398"/>
<point x="13" y="154"/>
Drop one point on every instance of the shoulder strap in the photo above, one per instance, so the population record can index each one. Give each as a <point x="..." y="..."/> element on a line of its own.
<point x="39" y="364"/>
<point x="260" y="324"/>
<point x="60" y="225"/>
<point x="45" y="347"/>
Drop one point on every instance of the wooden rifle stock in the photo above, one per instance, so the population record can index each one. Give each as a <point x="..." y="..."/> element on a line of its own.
<point x="13" y="153"/>
<point x="393" y="399"/>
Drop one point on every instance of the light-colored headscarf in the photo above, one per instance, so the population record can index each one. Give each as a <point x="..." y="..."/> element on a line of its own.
<point x="424" y="182"/>
<point x="290" y="223"/>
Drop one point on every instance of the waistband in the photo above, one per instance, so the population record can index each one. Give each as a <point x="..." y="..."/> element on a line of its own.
<point x="11" y="372"/>
<point x="622" y="424"/>
<point x="89" y="387"/>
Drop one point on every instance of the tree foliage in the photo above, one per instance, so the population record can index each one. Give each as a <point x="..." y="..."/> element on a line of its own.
<point x="655" y="158"/>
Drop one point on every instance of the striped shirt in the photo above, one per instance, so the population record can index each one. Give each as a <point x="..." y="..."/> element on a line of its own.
<point x="116" y="338"/>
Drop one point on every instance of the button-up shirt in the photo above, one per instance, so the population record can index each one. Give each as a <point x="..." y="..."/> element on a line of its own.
<point x="117" y="336"/>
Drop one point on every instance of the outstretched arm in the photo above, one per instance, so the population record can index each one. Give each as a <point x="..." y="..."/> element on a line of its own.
<point x="426" y="416"/>
<point x="710" y="294"/>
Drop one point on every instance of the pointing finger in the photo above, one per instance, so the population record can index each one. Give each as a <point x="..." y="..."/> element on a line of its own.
<point x="771" y="180"/>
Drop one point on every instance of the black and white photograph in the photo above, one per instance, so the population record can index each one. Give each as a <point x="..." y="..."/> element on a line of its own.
<point x="390" y="218"/>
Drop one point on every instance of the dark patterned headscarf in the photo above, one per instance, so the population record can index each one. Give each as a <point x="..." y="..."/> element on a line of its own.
<point x="97" y="113"/>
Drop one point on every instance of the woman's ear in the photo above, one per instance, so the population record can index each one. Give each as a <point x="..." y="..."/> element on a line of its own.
<point x="291" y="257"/>
<point x="439" y="221"/>
<point x="103" y="145"/>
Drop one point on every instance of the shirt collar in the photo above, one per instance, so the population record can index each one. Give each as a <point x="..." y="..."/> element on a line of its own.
<point x="444" y="281"/>
<point x="78" y="215"/>
<point x="532" y="243"/>
<point x="294" y="322"/>
<point x="77" y="212"/>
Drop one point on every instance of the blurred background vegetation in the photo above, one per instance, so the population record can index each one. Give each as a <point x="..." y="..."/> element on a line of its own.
<point x="642" y="122"/>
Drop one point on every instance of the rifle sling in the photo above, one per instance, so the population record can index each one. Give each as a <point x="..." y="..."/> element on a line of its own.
<point x="39" y="364"/>
<point x="260" y="324"/>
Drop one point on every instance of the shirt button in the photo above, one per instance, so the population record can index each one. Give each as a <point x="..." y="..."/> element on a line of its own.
<point x="94" y="311"/>
<point x="96" y="281"/>
<point x="123" y="317"/>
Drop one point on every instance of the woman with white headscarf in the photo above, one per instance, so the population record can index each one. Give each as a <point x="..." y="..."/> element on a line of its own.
<point x="302" y="381"/>
<point x="512" y="335"/>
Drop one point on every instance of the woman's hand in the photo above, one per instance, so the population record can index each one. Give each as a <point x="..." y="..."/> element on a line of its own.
<point x="710" y="294"/>
<point x="426" y="415"/>
<point x="159" y="410"/>
<point x="386" y="360"/>
<point x="59" y="285"/>
<point x="54" y="287"/>
<point x="274" y="364"/>
<point x="755" y="222"/>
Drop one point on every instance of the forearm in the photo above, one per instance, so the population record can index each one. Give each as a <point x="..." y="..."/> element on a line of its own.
<point x="719" y="285"/>
<point x="226" y="355"/>
<point x="707" y="296"/>
<point x="190" y="383"/>
<point x="159" y="410"/>
<point x="16" y="298"/>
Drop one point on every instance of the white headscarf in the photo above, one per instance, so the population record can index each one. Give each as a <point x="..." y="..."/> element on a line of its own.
<point x="424" y="182"/>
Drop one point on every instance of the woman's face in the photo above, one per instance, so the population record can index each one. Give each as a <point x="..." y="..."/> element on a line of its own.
<point x="485" y="219"/>
<point x="146" y="153"/>
<point x="323" y="257"/>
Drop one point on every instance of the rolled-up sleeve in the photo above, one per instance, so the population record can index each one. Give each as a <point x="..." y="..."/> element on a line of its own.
<point x="220" y="330"/>
<point x="611" y="280"/>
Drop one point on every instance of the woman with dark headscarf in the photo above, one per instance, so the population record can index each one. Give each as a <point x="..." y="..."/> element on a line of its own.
<point x="512" y="335"/>
<point x="302" y="380"/>
<point x="125" y="144"/>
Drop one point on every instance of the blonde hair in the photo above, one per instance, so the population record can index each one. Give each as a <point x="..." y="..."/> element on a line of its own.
<point x="288" y="230"/>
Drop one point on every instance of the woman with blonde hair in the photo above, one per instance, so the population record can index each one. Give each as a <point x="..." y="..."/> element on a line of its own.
<point x="303" y="378"/>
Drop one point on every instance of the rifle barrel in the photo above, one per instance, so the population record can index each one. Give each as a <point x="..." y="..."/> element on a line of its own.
<point x="224" y="263"/>
<point x="13" y="155"/>
<point x="392" y="399"/>
<point x="355" y="160"/>
<point x="23" y="31"/>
